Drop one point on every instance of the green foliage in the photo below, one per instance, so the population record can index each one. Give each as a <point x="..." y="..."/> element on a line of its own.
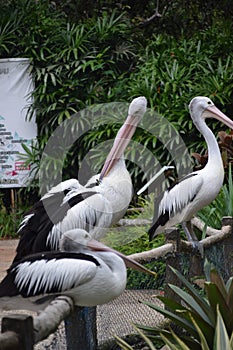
<point x="221" y="338"/>
<point x="74" y="64"/>
<point x="205" y="321"/>
<point x="8" y="225"/>
<point x="31" y="156"/>
<point x="87" y="53"/>
<point x="86" y="58"/>
<point x="92" y="60"/>
<point x="131" y="240"/>
<point x="173" y="71"/>
<point x="157" y="17"/>
<point x="138" y="280"/>
<point x="125" y="346"/>
<point x="9" y="222"/>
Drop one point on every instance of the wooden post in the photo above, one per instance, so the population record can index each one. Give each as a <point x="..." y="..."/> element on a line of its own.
<point x="228" y="247"/>
<point x="9" y="341"/>
<point x="81" y="330"/>
<point x="196" y="265"/>
<point x="173" y="259"/>
<point x="22" y="325"/>
<point x="13" y="200"/>
<point x="14" y="206"/>
<point x="48" y="320"/>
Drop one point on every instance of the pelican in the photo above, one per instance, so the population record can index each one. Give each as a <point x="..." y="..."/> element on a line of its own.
<point x="93" y="207"/>
<point x="84" y="269"/>
<point x="196" y="190"/>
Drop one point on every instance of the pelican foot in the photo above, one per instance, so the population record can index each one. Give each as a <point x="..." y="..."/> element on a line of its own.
<point x="197" y="248"/>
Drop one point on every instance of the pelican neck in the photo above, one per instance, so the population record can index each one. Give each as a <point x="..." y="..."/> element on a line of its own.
<point x="214" y="154"/>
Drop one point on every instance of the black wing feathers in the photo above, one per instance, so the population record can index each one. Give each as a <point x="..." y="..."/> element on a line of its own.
<point x="158" y="220"/>
<point x="162" y="219"/>
<point x="8" y="286"/>
<point x="46" y="213"/>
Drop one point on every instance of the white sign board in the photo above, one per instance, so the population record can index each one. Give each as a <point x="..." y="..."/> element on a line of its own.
<point x="15" y="97"/>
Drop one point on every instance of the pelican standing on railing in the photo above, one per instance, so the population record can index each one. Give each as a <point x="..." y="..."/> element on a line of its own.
<point x="196" y="190"/>
<point x="93" y="207"/>
<point x="84" y="269"/>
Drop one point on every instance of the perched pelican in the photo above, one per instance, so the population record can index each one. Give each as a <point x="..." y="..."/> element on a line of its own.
<point x="93" y="207"/>
<point x="89" y="277"/>
<point x="196" y="190"/>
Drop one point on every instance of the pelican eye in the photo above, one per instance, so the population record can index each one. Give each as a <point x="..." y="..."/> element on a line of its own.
<point x="98" y="182"/>
<point x="209" y="102"/>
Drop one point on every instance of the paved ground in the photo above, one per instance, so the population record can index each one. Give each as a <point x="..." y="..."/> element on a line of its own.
<point x="115" y="317"/>
<point x="7" y="253"/>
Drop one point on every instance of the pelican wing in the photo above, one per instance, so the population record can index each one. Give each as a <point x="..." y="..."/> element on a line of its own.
<point x="180" y="195"/>
<point x="48" y="273"/>
<point x="174" y="200"/>
<point x="47" y="215"/>
<point x="53" y="199"/>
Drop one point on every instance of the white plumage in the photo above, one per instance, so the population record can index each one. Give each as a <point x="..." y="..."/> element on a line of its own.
<point x="88" y="277"/>
<point x="196" y="190"/>
<point x="179" y="198"/>
<point x="93" y="207"/>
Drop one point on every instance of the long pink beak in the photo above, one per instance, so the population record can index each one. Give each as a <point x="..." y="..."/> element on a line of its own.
<point x="136" y="110"/>
<point x="217" y="114"/>
<point x="98" y="246"/>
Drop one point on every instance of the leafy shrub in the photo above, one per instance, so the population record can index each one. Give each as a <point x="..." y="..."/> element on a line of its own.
<point x="104" y="56"/>
<point x="74" y="64"/>
<point x="9" y="221"/>
<point x="134" y="239"/>
<point x="206" y="322"/>
<point x="172" y="72"/>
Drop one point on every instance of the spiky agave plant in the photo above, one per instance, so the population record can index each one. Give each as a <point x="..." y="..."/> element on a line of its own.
<point x="206" y="321"/>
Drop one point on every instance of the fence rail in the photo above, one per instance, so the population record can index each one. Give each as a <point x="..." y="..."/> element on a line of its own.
<point x="175" y="244"/>
<point x="22" y="332"/>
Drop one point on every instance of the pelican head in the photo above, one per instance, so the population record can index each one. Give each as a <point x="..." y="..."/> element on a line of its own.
<point x="202" y="107"/>
<point x="74" y="240"/>
<point x="78" y="240"/>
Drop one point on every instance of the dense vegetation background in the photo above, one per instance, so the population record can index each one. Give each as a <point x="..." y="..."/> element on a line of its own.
<point x="86" y="52"/>
<point x="90" y="52"/>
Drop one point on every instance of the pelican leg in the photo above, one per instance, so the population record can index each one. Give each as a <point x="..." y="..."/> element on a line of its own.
<point x="188" y="229"/>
